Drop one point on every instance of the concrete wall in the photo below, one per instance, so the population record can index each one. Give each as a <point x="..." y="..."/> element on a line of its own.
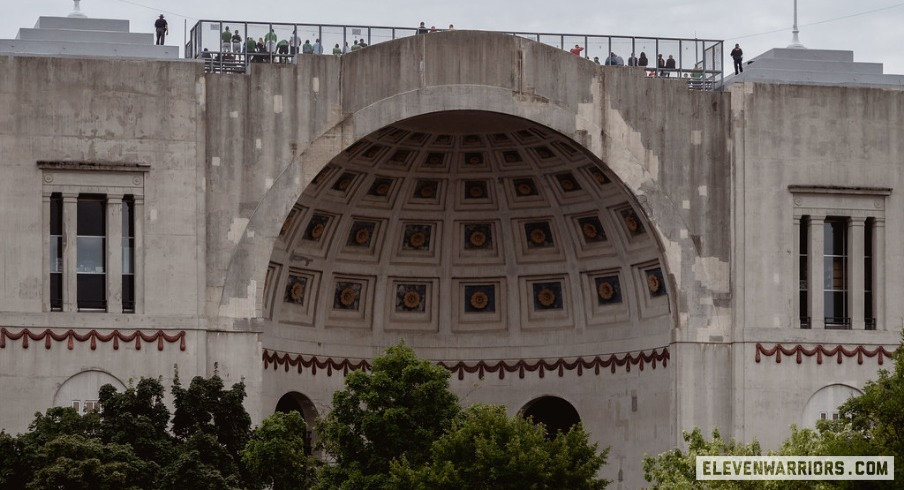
<point x="783" y="136"/>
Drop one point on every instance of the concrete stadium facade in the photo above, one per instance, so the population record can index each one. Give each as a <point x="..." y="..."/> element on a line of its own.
<point x="546" y="228"/>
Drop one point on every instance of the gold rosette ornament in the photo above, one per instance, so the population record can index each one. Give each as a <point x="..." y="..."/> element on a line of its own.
<point x="426" y="192"/>
<point x="362" y="236"/>
<point x="297" y="291"/>
<point x="480" y="300"/>
<point x="348" y="296"/>
<point x="653" y="283"/>
<point x="411" y="300"/>
<point x="382" y="189"/>
<point x="606" y="291"/>
<point x="631" y="223"/>
<point x="477" y="238"/>
<point x="475" y="191"/>
<point x="317" y="231"/>
<point x="343" y="184"/>
<point x="589" y="230"/>
<point x="538" y="236"/>
<point x="567" y="184"/>
<point x="524" y="189"/>
<point x="474" y="160"/>
<point x="600" y="178"/>
<point x="417" y="239"/>
<point x="546" y="297"/>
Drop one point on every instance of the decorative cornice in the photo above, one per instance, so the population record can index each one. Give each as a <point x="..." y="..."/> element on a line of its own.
<point x="71" y="336"/>
<point x="839" y="351"/>
<point x="560" y="365"/>
<point x="93" y="166"/>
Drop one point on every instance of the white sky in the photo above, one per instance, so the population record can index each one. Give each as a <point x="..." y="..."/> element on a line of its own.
<point x="871" y="28"/>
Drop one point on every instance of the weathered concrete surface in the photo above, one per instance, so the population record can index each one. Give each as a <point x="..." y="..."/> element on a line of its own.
<point x="230" y="155"/>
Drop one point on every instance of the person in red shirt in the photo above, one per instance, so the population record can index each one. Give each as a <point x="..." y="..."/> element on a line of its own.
<point x="577" y="49"/>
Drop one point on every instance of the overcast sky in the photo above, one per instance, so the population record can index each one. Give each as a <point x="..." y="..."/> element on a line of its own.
<point x="871" y="28"/>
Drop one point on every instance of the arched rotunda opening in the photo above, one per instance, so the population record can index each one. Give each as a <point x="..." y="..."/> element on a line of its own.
<point x="556" y="414"/>
<point x="467" y="230"/>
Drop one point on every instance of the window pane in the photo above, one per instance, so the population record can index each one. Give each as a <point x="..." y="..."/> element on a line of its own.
<point x="91" y="217"/>
<point x="128" y="294"/>
<point x="56" y="291"/>
<point x="128" y="211"/>
<point x="56" y="214"/>
<point x="127" y="253"/>
<point x="834" y="237"/>
<point x="56" y="253"/>
<point x="92" y="292"/>
<point x="90" y="255"/>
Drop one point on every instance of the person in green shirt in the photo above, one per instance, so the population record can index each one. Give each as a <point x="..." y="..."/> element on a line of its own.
<point x="282" y="47"/>
<point x="307" y="47"/>
<point x="337" y="51"/>
<point x="356" y="46"/>
<point x="226" y="38"/>
<point x="270" y="41"/>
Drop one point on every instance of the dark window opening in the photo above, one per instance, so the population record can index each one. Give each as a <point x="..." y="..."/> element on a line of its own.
<point x="56" y="252"/>
<point x="91" y="293"/>
<point x="128" y="254"/>
<point x="835" y="276"/>
<point x="869" y="317"/>
<point x="802" y="246"/>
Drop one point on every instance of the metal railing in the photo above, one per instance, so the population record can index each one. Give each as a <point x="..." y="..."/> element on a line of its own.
<point x="698" y="61"/>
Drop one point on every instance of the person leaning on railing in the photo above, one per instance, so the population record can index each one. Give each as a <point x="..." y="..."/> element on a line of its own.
<point x="226" y="38"/>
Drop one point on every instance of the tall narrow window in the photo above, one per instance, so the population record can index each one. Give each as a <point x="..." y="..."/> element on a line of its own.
<point x="128" y="254"/>
<point x="869" y="318"/>
<point x="835" y="273"/>
<point x="804" y="272"/>
<point x="56" y="252"/>
<point x="91" y="250"/>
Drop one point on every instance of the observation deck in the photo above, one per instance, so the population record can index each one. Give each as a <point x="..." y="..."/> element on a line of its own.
<point x="699" y="61"/>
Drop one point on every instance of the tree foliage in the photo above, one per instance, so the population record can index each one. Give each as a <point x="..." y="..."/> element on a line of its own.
<point x="871" y="424"/>
<point x="676" y="469"/>
<point x="397" y="410"/>
<point x="128" y="443"/>
<point x="275" y="455"/>
<point x="486" y="449"/>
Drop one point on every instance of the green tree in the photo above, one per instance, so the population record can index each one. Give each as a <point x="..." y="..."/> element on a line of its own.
<point x="676" y="469"/>
<point x="275" y="456"/>
<point x="207" y="407"/>
<point x="74" y="461"/>
<point x="138" y="417"/>
<point x="397" y="410"/>
<point x="485" y="449"/>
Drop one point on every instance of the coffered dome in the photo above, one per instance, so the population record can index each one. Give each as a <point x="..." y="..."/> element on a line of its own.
<point x="465" y="222"/>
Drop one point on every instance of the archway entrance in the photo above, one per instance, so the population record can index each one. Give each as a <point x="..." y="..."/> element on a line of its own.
<point x="296" y="402"/>
<point x="556" y="414"/>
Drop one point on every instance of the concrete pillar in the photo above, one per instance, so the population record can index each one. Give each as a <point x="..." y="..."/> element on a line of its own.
<point x="815" y="253"/>
<point x="70" y="251"/>
<point x="879" y="263"/>
<point x="855" y="275"/>
<point x="114" y="253"/>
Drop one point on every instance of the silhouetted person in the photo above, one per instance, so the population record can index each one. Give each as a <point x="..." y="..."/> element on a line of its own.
<point x="643" y="61"/>
<point x="162" y="30"/>
<point x="738" y="56"/>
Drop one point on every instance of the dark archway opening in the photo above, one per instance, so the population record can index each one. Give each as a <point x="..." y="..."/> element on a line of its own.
<point x="554" y="413"/>
<point x="296" y="402"/>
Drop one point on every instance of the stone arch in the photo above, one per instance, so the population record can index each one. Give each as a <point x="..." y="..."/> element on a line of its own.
<point x="555" y="413"/>
<point x="824" y="402"/>
<point x="243" y="291"/>
<point x="82" y="389"/>
<point x="294" y="401"/>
